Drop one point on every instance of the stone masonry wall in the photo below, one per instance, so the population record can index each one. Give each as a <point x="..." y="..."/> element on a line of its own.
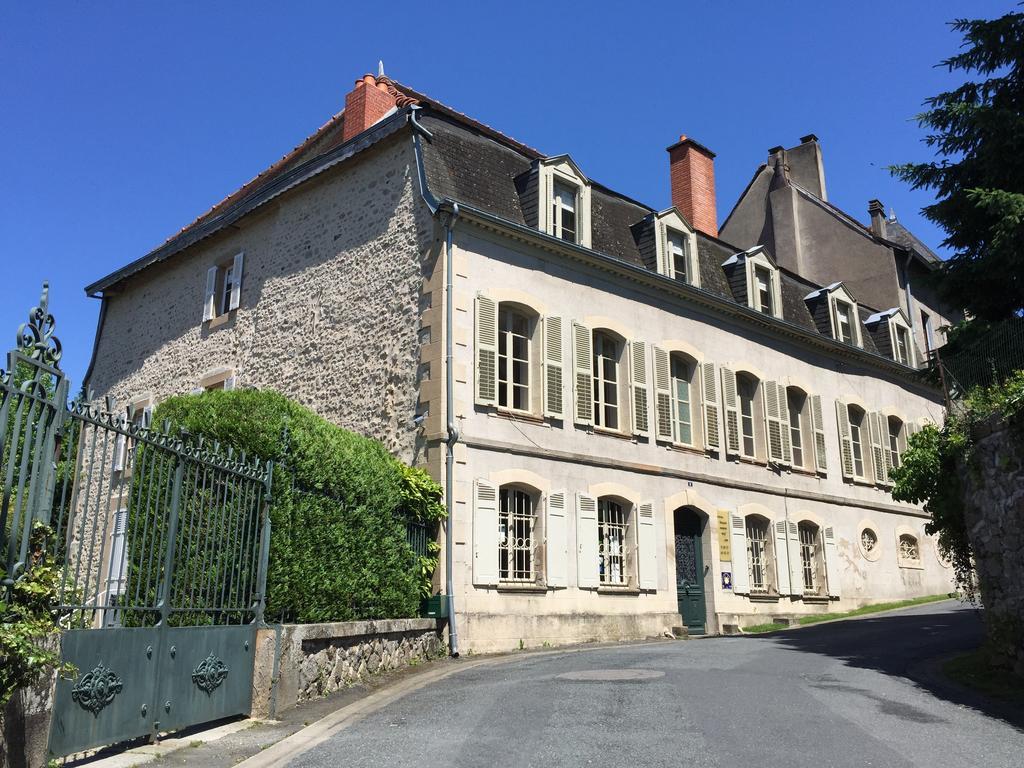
<point x="993" y="492"/>
<point x="319" y="659"/>
<point x="332" y="304"/>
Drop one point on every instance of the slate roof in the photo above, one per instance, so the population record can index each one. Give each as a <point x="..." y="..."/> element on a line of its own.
<point x="902" y="236"/>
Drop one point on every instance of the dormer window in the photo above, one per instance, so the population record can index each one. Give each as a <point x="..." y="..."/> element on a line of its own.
<point x="668" y="245"/>
<point x="763" y="293"/>
<point x="834" y="310"/>
<point x="563" y="212"/>
<point x="891" y="332"/>
<point x="755" y="281"/>
<point x="557" y="194"/>
<point x="901" y="337"/>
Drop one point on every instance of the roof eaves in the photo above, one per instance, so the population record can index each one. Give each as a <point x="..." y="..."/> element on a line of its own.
<point x="257" y="196"/>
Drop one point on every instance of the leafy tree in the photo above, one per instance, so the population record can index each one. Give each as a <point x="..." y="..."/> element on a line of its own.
<point x="977" y="131"/>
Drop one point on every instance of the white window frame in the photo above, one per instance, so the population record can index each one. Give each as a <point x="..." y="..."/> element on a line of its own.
<point x="562" y="170"/>
<point x="518" y="549"/>
<point x="223" y="287"/>
<point x="901" y="558"/>
<point x="507" y="337"/>
<point x="692" y="403"/>
<point x="763" y="556"/>
<point x="599" y="383"/>
<point x="614" y="542"/>
<point x="760" y="261"/>
<point x="670" y="223"/>
<point x="897" y="323"/>
<point x="838" y="295"/>
<point x="800" y="432"/>
<point x="858" y="443"/>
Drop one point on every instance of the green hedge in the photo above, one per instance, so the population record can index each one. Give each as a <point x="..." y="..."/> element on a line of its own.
<point x="338" y="548"/>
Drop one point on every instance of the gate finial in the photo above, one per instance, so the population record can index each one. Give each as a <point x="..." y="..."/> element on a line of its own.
<point x="35" y="338"/>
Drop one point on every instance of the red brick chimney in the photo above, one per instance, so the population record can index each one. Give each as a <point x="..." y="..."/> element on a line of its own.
<point x="365" y="104"/>
<point x="692" y="172"/>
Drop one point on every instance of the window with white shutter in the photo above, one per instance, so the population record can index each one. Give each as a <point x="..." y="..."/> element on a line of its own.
<point x="877" y="424"/>
<point x="773" y="403"/>
<point x="235" y="290"/>
<point x="485" y="533"/>
<point x="709" y="397"/>
<point x="608" y="379"/>
<point x="638" y="387"/>
<point x="740" y="555"/>
<point x="818" y="427"/>
<point x="832" y="563"/>
<point x="730" y="402"/>
<point x="486" y="341"/>
<point x="845" y="439"/>
<point x="647" y="551"/>
<point x="210" y="295"/>
<point x="782" y="558"/>
<point x="583" y="388"/>
<point x="553" y="378"/>
<point x="663" y="420"/>
<point x="587" y="556"/>
<point x="557" y="544"/>
<point x="796" y="573"/>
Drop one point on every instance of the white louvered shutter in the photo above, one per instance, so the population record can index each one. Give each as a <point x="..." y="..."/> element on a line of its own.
<point x="557" y="547"/>
<point x="818" y="427"/>
<point x="885" y="449"/>
<point x="118" y="555"/>
<point x="709" y="396"/>
<point x="782" y="558"/>
<point x="583" y="376"/>
<point x="236" y="280"/>
<point x="879" y="447"/>
<point x="738" y="536"/>
<point x="662" y="395"/>
<point x="210" y="297"/>
<point x="831" y="562"/>
<point x="486" y="338"/>
<point x="845" y="439"/>
<point x="772" y="420"/>
<point x="647" y="550"/>
<point x="554" y="400"/>
<point x="664" y="258"/>
<point x="787" y="441"/>
<point x="730" y="402"/>
<point x="796" y="569"/>
<point x="485" y="533"/>
<point x="586" y="541"/>
<point x="638" y="387"/>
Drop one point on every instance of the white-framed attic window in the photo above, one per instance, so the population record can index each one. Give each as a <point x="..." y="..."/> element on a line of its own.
<point x="763" y="281"/>
<point x="843" y="316"/>
<point x="676" y="247"/>
<point x="901" y="337"/>
<point x="563" y="208"/>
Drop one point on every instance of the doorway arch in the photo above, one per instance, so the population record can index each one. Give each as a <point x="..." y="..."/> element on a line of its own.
<point x="690" y="532"/>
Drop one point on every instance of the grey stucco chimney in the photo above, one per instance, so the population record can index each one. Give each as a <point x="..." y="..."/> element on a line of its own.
<point x="877" y="213"/>
<point x="806" y="166"/>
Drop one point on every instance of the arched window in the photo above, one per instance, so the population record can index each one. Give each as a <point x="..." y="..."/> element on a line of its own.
<point x="682" y="370"/>
<point x="517" y="535"/>
<point x="613" y="519"/>
<point x="746" y="390"/>
<point x="515" y="331"/>
<point x="857" y="425"/>
<point x="811" y="558"/>
<point x="607" y="357"/>
<point x="760" y="559"/>
<point x="895" y="446"/>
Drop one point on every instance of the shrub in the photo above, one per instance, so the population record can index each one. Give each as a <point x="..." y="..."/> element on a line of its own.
<point x="340" y="502"/>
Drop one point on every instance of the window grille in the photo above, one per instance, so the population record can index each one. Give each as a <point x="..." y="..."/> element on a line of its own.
<point x="757" y="556"/>
<point x="611" y="542"/>
<point x="809" y="558"/>
<point x="513" y="360"/>
<point x="868" y="540"/>
<point x="516" y="522"/>
<point x="606" y="381"/>
<point x="908" y="548"/>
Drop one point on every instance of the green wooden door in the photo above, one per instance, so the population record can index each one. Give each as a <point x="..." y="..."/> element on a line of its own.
<point x="690" y="571"/>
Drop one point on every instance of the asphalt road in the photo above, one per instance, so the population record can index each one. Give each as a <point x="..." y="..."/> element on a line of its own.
<point x="832" y="695"/>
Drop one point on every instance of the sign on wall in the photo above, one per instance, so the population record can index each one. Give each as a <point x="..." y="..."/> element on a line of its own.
<point x="724" y="540"/>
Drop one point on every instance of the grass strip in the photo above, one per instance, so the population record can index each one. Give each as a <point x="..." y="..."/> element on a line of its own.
<point x="975" y="670"/>
<point x="864" y="609"/>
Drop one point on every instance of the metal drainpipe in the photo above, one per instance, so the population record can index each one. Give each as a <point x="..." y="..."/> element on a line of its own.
<point x="453" y="430"/>
<point x="909" y="295"/>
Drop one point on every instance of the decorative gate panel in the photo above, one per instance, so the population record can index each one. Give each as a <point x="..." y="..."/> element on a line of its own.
<point x="162" y="539"/>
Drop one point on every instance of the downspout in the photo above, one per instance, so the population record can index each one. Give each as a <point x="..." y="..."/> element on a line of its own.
<point x="95" y="342"/>
<point x="909" y="295"/>
<point x="449" y="211"/>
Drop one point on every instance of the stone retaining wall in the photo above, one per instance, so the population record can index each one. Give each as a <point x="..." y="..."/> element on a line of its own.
<point x="993" y="493"/>
<point x="318" y="659"/>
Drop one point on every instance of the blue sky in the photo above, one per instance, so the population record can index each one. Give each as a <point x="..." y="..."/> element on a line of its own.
<point x="120" y="122"/>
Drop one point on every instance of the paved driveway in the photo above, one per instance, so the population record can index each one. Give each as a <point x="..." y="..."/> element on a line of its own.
<point x="833" y="695"/>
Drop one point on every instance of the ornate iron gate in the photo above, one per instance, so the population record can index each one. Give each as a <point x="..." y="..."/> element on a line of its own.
<point x="163" y="541"/>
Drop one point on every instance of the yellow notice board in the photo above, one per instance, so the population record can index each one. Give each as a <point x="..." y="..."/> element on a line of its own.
<point x="724" y="539"/>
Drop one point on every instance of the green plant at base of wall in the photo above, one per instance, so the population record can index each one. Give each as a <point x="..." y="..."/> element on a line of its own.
<point x="339" y="510"/>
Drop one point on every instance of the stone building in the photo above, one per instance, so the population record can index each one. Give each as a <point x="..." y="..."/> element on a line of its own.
<point x="650" y="424"/>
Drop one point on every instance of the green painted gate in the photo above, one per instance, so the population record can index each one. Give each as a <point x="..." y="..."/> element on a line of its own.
<point x="162" y="540"/>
